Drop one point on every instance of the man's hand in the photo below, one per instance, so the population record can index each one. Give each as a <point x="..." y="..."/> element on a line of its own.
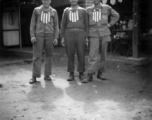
<point x="55" y="42"/>
<point x="33" y="39"/>
<point x="62" y="41"/>
<point x="87" y="42"/>
<point x="109" y="25"/>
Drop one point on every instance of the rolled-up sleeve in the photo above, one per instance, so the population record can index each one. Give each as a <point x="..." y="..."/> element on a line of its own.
<point x="114" y="16"/>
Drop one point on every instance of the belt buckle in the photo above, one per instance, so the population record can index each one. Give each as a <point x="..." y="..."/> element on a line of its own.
<point x="76" y="29"/>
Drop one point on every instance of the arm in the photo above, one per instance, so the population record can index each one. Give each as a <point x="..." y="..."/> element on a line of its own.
<point x="114" y="17"/>
<point x="33" y="24"/>
<point x="56" y="25"/>
<point x="63" y="23"/>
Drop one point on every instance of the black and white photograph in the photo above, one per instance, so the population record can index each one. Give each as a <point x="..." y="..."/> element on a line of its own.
<point x="75" y="59"/>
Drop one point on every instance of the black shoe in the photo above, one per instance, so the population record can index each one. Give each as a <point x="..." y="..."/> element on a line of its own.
<point x="100" y="76"/>
<point x="47" y="78"/>
<point x="88" y="79"/>
<point x="71" y="77"/>
<point x="32" y="80"/>
<point x="81" y="76"/>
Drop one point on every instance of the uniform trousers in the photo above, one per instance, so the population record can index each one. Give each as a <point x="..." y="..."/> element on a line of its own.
<point x="97" y="53"/>
<point x="43" y="43"/>
<point x="75" y="42"/>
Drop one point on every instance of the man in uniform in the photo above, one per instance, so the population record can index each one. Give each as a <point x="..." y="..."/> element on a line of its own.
<point x="44" y="31"/>
<point x="74" y="32"/>
<point x="99" y="34"/>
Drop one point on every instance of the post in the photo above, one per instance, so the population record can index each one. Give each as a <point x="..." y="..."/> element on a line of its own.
<point x="1" y="33"/>
<point x="136" y="29"/>
<point x="19" y="22"/>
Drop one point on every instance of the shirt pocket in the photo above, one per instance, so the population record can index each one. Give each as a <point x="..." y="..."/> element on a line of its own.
<point x="104" y="17"/>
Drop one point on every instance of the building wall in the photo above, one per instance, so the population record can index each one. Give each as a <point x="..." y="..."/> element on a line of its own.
<point x="58" y="3"/>
<point x="0" y="26"/>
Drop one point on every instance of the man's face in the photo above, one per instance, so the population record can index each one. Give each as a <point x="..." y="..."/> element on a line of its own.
<point x="74" y="2"/>
<point x="46" y="3"/>
<point x="96" y="2"/>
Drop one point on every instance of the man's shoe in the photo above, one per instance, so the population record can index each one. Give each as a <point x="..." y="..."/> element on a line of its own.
<point x="71" y="77"/>
<point x="100" y="76"/>
<point x="47" y="78"/>
<point x="81" y="76"/>
<point x="32" y="80"/>
<point x="88" y="79"/>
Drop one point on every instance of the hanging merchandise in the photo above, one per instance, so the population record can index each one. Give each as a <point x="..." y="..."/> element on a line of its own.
<point x="113" y="2"/>
<point x="120" y="1"/>
<point x="104" y="1"/>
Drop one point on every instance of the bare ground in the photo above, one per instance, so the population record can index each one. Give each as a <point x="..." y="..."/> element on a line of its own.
<point x="125" y="95"/>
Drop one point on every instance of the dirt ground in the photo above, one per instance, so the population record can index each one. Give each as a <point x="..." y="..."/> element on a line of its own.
<point x="125" y="95"/>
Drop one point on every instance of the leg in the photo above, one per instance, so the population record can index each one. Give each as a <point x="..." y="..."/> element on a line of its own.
<point x="37" y="56"/>
<point x="103" y="55"/>
<point x="93" y="55"/>
<point x="80" y="49"/>
<point x="93" y="59"/>
<point x="70" y="49"/>
<point x="48" y="47"/>
<point x="103" y="52"/>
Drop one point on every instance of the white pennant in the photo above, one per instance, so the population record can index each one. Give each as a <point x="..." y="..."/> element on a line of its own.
<point x="99" y="14"/>
<point x="77" y="16"/>
<point x="113" y="2"/>
<point x="74" y="15"/>
<point x="49" y="17"/>
<point x="44" y="18"/>
<point x="120" y="1"/>
<point x="70" y="16"/>
<point x="104" y="1"/>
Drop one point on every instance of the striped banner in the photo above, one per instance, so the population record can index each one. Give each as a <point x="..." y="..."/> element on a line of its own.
<point x="73" y="16"/>
<point x="96" y="15"/>
<point x="45" y="17"/>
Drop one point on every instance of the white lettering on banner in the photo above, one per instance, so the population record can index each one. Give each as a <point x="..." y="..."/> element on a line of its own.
<point x="73" y="16"/>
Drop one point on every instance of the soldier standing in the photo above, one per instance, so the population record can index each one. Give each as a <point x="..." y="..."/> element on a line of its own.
<point x="74" y="33"/>
<point x="99" y="34"/>
<point x="44" y="31"/>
